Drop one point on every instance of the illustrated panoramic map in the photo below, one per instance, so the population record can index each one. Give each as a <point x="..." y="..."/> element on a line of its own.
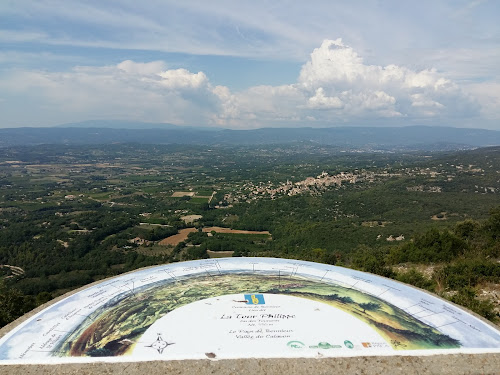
<point x="245" y="308"/>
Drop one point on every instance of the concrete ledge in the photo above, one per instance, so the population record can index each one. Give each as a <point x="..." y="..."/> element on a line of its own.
<point x="435" y="364"/>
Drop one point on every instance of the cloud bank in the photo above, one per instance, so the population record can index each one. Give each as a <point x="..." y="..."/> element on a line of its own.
<point x="334" y="87"/>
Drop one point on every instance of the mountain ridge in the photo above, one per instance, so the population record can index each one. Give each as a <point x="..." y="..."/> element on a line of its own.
<point x="385" y="138"/>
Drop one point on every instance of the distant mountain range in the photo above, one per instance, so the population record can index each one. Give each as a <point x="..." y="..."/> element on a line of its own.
<point x="120" y="124"/>
<point x="363" y="138"/>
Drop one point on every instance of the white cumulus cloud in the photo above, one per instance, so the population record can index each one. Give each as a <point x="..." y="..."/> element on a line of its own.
<point x="320" y="101"/>
<point x="150" y="68"/>
<point x="183" y="79"/>
<point x="337" y="78"/>
<point x="128" y="90"/>
<point x="335" y="86"/>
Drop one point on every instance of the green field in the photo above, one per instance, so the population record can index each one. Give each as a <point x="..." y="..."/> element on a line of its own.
<point x="66" y="243"/>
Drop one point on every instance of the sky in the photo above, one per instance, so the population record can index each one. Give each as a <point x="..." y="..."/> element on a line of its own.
<point x="250" y="64"/>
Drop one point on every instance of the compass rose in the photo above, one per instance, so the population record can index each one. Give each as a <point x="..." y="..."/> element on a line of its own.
<point x="159" y="344"/>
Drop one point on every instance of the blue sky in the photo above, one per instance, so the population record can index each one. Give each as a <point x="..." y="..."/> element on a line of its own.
<point x="248" y="64"/>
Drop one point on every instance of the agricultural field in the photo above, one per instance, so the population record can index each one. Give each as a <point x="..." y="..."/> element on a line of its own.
<point x="70" y="215"/>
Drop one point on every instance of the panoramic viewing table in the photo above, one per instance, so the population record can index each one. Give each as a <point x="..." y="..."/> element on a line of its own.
<point x="244" y="308"/>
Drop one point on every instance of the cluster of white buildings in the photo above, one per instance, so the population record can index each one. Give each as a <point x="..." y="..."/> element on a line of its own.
<point x="311" y="185"/>
<point x="250" y="191"/>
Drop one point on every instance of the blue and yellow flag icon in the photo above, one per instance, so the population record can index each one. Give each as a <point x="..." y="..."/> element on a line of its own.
<point x="255" y="299"/>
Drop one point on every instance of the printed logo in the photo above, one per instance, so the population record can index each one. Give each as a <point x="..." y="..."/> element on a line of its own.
<point x="375" y="345"/>
<point x="295" y="344"/>
<point x="397" y="344"/>
<point x="255" y="299"/>
<point x="348" y="344"/>
<point x="324" y="345"/>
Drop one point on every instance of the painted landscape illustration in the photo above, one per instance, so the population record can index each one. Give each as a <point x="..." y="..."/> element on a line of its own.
<point x="115" y="328"/>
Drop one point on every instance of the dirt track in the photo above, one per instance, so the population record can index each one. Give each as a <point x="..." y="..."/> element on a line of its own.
<point x="228" y="230"/>
<point x="176" y="238"/>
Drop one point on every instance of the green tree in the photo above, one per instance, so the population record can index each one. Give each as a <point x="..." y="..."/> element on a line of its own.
<point x="13" y="304"/>
<point x="468" y="297"/>
<point x="370" y="306"/>
<point x="413" y="277"/>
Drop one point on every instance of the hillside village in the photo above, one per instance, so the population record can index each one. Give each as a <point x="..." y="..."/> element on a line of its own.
<point x="251" y="191"/>
<point x="129" y="206"/>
